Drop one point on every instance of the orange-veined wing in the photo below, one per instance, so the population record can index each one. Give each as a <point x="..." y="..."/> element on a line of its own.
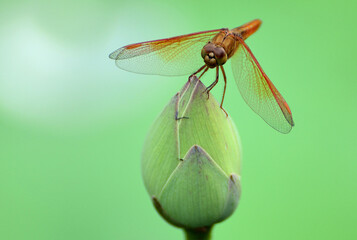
<point x="174" y="56"/>
<point x="258" y="91"/>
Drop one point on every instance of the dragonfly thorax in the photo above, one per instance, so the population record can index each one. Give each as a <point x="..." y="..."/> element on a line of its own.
<point x="213" y="55"/>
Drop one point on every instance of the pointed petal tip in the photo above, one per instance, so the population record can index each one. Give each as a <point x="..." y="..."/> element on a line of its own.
<point x="193" y="78"/>
<point x="196" y="149"/>
<point x="234" y="177"/>
<point x="156" y="202"/>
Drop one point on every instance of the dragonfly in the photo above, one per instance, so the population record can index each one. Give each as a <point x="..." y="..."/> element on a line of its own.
<point x="197" y="52"/>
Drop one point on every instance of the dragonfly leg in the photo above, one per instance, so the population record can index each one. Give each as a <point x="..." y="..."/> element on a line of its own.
<point x="224" y="90"/>
<point x="210" y="87"/>
<point x="204" y="71"/>
<point x="199" y="70"/>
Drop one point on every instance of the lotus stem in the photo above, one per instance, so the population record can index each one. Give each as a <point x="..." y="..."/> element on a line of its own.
<point x="198" y="234"/>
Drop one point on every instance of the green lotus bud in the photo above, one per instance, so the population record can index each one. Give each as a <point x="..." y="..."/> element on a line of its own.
<point x="191" y="160"/>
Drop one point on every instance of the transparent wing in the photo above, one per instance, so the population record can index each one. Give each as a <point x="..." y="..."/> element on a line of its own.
<point x="174" y="56"/>
<point x="258" y="91"/>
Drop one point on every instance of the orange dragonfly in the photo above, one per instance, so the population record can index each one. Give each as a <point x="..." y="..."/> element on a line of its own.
<point x="180" y="56"/>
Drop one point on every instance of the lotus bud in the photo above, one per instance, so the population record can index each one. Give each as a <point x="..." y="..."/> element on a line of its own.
<point x="191" y="161"/>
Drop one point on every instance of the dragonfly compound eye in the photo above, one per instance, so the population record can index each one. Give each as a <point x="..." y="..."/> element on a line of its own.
<point x="221" y="55"/>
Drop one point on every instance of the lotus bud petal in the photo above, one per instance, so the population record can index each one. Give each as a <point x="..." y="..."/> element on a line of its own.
<point x="192" y="159"/>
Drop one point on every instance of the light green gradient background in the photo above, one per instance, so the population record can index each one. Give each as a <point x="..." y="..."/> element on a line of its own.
<point x="72" y="125"/>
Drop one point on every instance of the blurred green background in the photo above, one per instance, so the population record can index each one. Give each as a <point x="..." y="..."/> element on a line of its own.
<point x="72" y="124"/>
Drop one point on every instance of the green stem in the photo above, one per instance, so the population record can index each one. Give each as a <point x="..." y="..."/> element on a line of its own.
<point x="198" y="233"/>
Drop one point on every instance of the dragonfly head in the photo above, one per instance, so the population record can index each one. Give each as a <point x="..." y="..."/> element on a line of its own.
<point x="213" y="55"/>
